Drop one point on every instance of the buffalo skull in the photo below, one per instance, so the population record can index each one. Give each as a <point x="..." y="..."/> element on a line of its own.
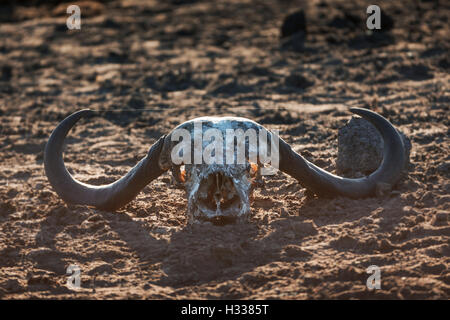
<point x="218" y="187"/>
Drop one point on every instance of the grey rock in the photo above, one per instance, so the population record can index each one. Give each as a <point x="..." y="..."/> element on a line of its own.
<point x="360" y="148"/>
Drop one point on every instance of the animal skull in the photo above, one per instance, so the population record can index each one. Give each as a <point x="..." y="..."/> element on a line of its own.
<point x="218" y="187"/>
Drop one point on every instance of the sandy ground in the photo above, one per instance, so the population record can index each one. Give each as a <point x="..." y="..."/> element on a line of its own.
<point x="184" y="59"/>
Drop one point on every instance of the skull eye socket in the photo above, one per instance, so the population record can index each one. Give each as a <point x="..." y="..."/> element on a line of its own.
<point x="255" y="175"/>
<point x="182" y="174"/>
<point x="253" y="169"/>
<point x="179" y="174"/>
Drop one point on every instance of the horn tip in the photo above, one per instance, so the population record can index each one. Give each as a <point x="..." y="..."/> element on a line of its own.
<point x="86" y="112"/>
<point x="358" y="110"/>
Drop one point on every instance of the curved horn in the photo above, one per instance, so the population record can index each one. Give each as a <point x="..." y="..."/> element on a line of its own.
<point x="106" y="197"/>
<point x="324" y="183"/>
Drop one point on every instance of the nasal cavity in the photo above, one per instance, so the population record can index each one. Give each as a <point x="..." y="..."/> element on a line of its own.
<point x="218" y="189"/>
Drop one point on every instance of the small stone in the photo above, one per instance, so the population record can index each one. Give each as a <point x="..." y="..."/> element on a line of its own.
<point x="387" y="22"/>
<point x="298" y="81"/>
<point x="136" y="103"/>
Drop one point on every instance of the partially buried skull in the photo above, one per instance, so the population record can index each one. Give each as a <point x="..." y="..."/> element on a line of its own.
<point x="219" y="160"/>
<point x="218" y="192"/>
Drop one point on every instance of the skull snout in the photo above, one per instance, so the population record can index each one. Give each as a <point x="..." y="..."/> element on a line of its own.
<point x="218" y="194"/>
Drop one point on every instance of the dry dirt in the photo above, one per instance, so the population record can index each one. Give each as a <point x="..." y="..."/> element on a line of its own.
<point x="146" y="66"/>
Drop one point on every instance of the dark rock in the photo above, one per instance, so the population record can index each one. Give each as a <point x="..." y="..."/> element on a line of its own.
<point x="293" y="23"/>
<point x="7" y="12"/>
<point x="387" y="23"/>
<point x="136" y="103"/>
<point x="297" y="81"/>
